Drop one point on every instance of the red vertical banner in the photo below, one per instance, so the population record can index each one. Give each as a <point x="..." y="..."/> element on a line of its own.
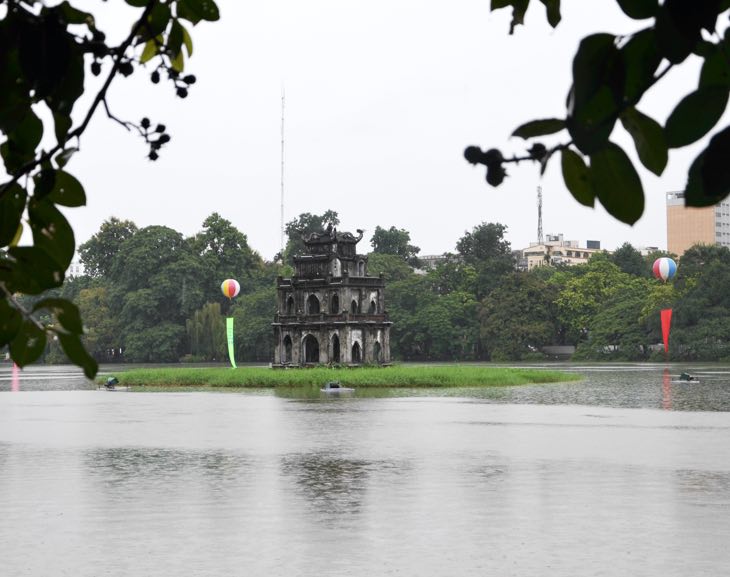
<point x="666" y="323"/>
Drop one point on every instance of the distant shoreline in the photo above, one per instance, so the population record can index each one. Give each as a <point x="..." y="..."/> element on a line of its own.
<point x="385" y="377"/>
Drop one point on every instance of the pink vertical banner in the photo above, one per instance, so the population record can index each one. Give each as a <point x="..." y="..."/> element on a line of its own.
<point x="15" y="382"/>
<point x="666" y="323"/>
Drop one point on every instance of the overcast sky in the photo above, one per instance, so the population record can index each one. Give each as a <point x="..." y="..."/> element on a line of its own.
<point x="382" y="96"/>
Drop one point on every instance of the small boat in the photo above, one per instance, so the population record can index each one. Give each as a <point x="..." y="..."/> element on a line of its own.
<point x="686" y="378"/>
<point x="335" y="387"/>
<point x="111" y="385"/>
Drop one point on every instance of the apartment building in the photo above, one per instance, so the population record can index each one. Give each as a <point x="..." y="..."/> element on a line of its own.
<point x="687" y="226"/>
<point x="556" y="250"/>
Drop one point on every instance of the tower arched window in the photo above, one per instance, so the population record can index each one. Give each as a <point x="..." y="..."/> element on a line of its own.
<point x="335" y="355"/>
<point x="287" y="350"/>
<point x="356" y="353"/>
<point x="311" y="349"/>
<point x="313" y="305"/>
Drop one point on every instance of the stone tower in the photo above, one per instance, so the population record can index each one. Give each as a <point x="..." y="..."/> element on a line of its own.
<point x="331" y="311"/>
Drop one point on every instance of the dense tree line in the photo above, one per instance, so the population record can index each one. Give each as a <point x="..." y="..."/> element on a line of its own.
<point x="152" y="295"/>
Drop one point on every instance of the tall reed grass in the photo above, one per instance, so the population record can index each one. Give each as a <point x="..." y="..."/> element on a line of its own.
<point x="395" y="376"/>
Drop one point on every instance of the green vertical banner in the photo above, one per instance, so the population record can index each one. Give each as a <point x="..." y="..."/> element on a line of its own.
<point x="229" y="334"/>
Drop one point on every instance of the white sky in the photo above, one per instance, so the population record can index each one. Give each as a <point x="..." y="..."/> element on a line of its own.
<point x="382" y="96"/>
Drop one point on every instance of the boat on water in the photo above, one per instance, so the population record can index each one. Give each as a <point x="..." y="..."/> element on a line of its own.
<point x="112" y="384"/>
<point x="686" y="378"/>
<point x="335" y="387"/>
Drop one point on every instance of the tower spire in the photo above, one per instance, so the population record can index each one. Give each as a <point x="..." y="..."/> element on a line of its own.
<point x="282" y="173"/>
<point x="539" y="215"/>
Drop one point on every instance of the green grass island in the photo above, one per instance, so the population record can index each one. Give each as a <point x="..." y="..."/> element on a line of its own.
<point x="362" y="377"/>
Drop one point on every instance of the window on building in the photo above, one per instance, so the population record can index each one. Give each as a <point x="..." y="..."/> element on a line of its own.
<point x="286" y="357"/>
<point x="356" y="353"/>
<point x="313" y="305"/>
<point x="335" y="357"/>
<point x="311" y="349"/>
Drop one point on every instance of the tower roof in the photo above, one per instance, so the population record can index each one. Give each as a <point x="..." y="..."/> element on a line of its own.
<point x="331" y="236"/>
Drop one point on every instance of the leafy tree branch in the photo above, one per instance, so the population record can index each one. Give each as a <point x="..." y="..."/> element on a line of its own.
<point x="43" y="61"/>
<point x="611" y="74"/>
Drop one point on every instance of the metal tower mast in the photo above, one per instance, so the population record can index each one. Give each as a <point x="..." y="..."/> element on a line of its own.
<point x="539" y="215"/>
<point x="282" y="174"/>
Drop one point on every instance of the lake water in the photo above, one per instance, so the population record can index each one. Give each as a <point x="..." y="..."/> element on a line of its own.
<point x="623" y="473"/>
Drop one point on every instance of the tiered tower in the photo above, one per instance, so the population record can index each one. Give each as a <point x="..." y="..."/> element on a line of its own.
<point x="331" y="311"/>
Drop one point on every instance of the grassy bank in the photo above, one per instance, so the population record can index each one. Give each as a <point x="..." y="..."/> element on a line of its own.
<point x="397" y="376"/>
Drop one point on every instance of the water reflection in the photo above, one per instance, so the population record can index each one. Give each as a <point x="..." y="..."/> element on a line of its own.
<point x="125" y="467"/>
<point x="331" y="485"/>
<point x="234" y="484"/>
<point x="703" y="483"/>
<point x="666" y="390"/>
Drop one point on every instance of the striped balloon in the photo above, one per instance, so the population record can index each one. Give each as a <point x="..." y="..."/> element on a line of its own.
<point x="230" y="287"/>
<point x="664" y="268"/>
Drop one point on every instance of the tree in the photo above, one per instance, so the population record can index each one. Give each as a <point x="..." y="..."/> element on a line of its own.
<point x="207" y="333"/>
<point x="163" y="342"/>
<point x="696" y="259"/>
<point x="44" y="52"/>
<point x="156" y="280"/>
<point x="224" y="253"/>
<point x="99" y="251"/>
<point x="446" y="329"/>
<point x="306" y="223"/>
<point x="630" y="261"/>
<point x="101" y="331"/>
<point x="428" y="325"/>
<point x="391" y="266"/>
<point x="453" y="275"/>
<point x="619" y="330"/>
<point x="404" y="299"/>
<point x="486" y="250"/>
<point x="518" y="318"/>
<point x="701" y="304"/>
<point x="584" y="295"/>
<point x="611" y="75"/>
<point x="395" y="241"/>
<point x="253" y="314"/>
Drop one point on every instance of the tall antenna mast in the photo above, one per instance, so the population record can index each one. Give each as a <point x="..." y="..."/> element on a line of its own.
<point x="539" y="215"/>
<point x="282" y="173"/>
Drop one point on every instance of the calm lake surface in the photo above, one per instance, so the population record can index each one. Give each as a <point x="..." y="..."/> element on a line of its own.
<point x="624" y="473"/>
